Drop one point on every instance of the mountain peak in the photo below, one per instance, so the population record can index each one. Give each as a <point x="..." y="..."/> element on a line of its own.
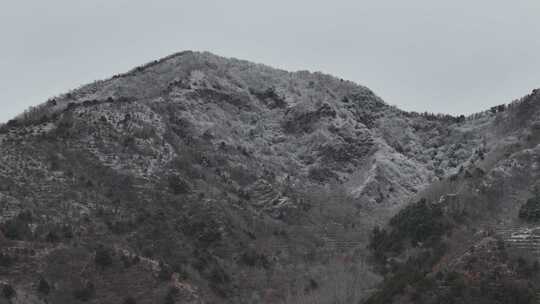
<point x="202" y="178"/>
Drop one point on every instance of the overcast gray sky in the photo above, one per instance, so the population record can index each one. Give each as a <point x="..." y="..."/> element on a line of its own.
<point x="457" y="56"/>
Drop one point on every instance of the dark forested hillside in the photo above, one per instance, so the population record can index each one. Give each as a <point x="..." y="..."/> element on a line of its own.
<point x="202" y="179"/>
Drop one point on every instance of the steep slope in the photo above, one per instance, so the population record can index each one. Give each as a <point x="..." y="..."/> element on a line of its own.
<point x="480" y="244"/>
<point x="197" y="178"/>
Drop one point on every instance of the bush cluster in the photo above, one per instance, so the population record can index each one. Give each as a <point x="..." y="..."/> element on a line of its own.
<point x="530" y="211"/>
<point x="419" y="222"/>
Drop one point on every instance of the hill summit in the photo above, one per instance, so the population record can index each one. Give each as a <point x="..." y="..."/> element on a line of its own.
<point x="202" y="179"/>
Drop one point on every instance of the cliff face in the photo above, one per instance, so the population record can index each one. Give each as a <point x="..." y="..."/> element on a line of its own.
<point x="200" y="178"/>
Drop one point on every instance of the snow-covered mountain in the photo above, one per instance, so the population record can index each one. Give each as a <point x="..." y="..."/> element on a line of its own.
<point x="203" y="179"/>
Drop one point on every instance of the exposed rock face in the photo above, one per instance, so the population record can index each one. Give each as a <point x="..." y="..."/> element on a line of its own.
<point x="214" y="179"/>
